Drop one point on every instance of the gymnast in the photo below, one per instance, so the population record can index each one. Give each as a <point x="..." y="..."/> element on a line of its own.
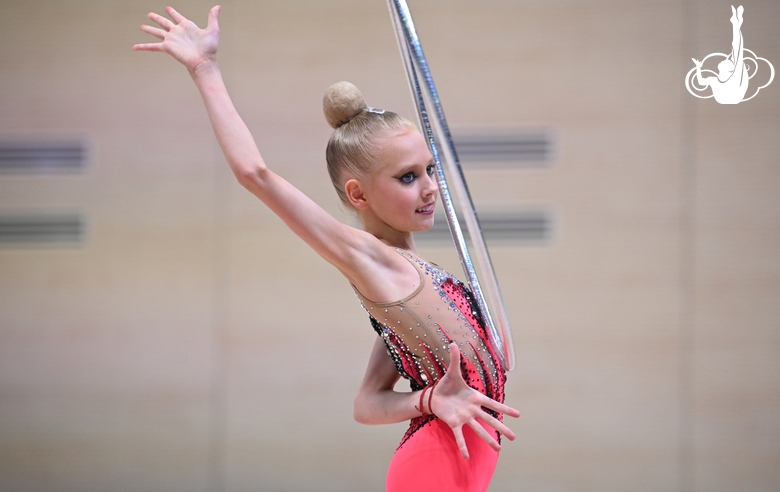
<point x="426" y="320"/>
<point x="730" y="85"/>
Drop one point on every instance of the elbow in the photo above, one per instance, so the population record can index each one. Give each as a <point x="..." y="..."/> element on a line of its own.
<point x="361" y="411"/>
<point x="358" y="411"/>
<point x="243" y="176"/>
<point x="249" y="176"/>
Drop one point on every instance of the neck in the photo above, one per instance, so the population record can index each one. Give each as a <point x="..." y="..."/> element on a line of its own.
<point x="386" y="234"/>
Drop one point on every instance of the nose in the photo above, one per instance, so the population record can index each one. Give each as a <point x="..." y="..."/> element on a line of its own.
<point x="431" y="188"/>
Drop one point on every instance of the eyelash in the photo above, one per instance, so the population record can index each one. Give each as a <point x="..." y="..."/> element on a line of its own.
<point x="411" y="176"/>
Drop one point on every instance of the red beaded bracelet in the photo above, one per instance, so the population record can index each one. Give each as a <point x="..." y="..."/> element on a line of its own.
<point x="430" y="398"/>
<point x="420" y="408"/>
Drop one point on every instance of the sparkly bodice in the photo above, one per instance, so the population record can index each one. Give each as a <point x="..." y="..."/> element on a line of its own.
<point x="418" y="330"/>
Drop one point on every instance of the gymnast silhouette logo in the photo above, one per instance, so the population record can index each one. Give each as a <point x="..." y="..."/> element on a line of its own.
<point x="735" y="70"/>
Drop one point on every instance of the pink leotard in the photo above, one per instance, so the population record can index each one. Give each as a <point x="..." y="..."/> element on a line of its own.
<point x="417" y="331"/>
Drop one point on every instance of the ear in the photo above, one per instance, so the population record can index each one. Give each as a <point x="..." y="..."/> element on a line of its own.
<point x="356" y="194"/>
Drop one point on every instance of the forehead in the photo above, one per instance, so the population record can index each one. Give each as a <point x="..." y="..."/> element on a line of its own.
<point x="403" y="148"/>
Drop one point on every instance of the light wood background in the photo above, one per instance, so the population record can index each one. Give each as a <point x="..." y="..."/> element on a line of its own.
<point x="193" y="343"/>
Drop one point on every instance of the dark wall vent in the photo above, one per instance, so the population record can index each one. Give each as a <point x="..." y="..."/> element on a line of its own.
<point x="504" y="148"/>
<point x="504" y="227"/>
<point x="46" y="229"/>
<point x="42" y="157"/>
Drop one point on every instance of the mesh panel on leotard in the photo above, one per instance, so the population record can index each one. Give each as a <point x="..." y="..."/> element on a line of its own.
<point x="418" y="330"/>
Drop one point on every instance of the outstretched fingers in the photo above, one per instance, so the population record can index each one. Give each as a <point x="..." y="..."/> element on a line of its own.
<point x="176" y="16"/>
<point x="497" y="425"/>
<point x="154" y="31"/>
<point x="457" y="404"/>
<point x="158" y="32"/>
<point x="484" y="435"/>
<point x="213" y="22"/>
<point x="148" y="47"/>
<point x="164" y="22"/>
<point x="183" y="39"/>
<point x="501" y="408"/>
<point x="461" y="441"/>
<point x="486" y="402"/>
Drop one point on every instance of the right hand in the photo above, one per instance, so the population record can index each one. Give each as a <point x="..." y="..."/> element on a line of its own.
<point x="181" y="38"/>
<point x="457" y="404"/>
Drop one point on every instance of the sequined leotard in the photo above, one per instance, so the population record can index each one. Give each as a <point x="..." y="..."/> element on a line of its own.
<point x="417" y="331"/>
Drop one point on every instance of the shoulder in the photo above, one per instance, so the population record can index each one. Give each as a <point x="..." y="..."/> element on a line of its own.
<point x="383" y="274"/>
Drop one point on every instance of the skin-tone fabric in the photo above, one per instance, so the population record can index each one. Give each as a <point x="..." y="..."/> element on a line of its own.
<point x="418" y="331"/>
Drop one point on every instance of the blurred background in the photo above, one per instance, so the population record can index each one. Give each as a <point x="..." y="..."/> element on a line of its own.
<point x="161" y="330"/>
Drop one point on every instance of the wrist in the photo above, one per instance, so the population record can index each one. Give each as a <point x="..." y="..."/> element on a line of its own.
<point x="425" y="401"/>
<point x="207" y="66"/>
<point x="421" y="406"/>
<point x="430" y="399"/>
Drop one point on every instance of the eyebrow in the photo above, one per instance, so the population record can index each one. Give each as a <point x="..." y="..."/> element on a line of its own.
<point x="407" y="169"/>
<point x="431" y="162"/>
<point x="412" y="167"/>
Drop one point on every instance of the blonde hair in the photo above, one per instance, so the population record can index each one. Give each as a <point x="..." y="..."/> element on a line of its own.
<point x="352" y="148"/>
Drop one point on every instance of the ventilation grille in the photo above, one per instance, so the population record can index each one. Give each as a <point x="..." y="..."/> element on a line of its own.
<point x="521" y="227"/>
<point x="42" y="157"/>
<point x="41" y="229"/>
<point x="504" y="149"/>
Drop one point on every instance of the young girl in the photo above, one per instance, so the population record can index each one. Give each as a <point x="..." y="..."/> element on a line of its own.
<point x="381" y="168"/>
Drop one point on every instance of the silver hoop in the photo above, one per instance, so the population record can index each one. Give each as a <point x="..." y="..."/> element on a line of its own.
<point x="487" y="294"/>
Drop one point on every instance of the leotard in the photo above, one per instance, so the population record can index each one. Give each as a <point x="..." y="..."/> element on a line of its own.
<point x="417" y="331"/>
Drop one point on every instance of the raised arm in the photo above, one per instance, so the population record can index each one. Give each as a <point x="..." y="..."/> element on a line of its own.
<point x="196" y="49"/>
<point x="453" y="401"/>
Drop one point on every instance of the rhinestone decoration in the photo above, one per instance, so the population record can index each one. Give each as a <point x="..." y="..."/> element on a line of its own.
<point x="419" y="362"/>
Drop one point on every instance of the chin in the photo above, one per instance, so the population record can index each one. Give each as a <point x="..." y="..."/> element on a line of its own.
<point x="426" y="226"/>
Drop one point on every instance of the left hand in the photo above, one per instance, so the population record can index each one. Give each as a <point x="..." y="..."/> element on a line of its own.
<point x="457" y="404"/>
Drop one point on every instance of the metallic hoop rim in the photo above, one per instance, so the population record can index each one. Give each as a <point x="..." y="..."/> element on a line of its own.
<point x="440" y="142"/>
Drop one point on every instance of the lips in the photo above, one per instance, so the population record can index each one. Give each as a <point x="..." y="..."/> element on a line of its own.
<point x="427" y="209"/>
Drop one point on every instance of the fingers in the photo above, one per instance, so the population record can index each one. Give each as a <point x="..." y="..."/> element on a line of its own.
<point x="461" y="441"/>
<point x="213" y="22"/>
<point x="501" y="408"/>
<point x="453" y="370"/>
<point x="177" y="17"/>
<point x="453" y="377"/>
<point x="154" y="31"/>
<point x="454" y="356"/>
<point x="148" y="47"/>
<point x="484" y="435"/>
<point x="164" y="22"/>
<point x="497" y="425"/>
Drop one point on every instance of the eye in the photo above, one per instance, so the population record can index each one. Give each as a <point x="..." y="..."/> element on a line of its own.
<point x="429" y="169"/>
<point x="407" y="178"/>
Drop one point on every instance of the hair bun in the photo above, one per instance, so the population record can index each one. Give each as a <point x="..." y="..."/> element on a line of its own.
<point x="342" y="101"/>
